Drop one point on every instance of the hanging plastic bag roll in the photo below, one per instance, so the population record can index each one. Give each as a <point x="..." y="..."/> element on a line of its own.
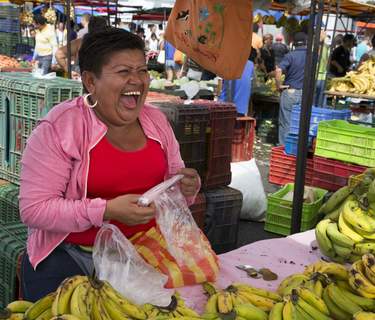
<point x="117" y="261"/>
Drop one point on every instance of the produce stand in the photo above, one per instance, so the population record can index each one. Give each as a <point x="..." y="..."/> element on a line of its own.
<point x="264" y="106"/>
<point x="349" y="94"/>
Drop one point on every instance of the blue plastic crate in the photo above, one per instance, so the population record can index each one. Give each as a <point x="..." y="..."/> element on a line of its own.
<point x="291" y="143"/>
<point x="317" y="115"/>
<point x="9" y="25"/>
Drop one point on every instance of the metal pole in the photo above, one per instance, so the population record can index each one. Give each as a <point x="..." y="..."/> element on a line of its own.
<point x="108" y="14"/>
<point x="116" y="13"/>
<point x="307" y="99"/>
<point x="68" y="44"/>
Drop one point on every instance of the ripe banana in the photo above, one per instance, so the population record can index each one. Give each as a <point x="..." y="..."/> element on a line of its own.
<point x="263" y="303"/>
<point x="277" y="311"/>
<point x="224" y="302"/>
<point x="258" y="291"/>
<point x="359" y="281"/>
<point x="65" y="317"/>
<point x="368" y="261"/>
<point x="334" y="309"/>
<point x="364" y="316"/>
<point x="341" y="300"/>
<point x="354" y="215"/>
<point x="40" y="306"/>
<point x="347" y="229"/>
<point x="19" y="306"/>
<point x="332" y="269"/>
<point x="366" y="235"/>
<point x="46" y="315"/>
<point x="113" y="309"/>
<point x="318" y="287"/>
<point x="312" y="311"/>
<point x="99" y="312"/>
<point x="338" y="237"/>
<point x="125" y="305"/>
<point x="211" y="305"/>
<point x="289" y="311"/>
<point x="61" y="304"/>
<point x="187" y="312"/>
<point x="248" y="311"/>
<point x="291" y="282"/>
<point x="209" y="288"/>
<point x="78" y="306"/>
<point x="312" y="299"/>
<point x="365" y="303"/>
<point x="335" y="200"/>
<point x="325" y="244"/>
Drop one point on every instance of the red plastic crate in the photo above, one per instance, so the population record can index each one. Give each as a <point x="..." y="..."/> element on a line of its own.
<point x="328" y="181"/>
<point x="243" y="139"/>
<point x="283" y="168"/>
<point x="198" y="210"/>
<point x="336" y="168"/>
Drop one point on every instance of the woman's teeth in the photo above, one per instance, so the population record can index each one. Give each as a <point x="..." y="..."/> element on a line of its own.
<point x="132" y="93"/>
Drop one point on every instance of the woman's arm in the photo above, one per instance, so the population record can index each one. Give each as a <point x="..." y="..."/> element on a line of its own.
<point x="62" y="53"/>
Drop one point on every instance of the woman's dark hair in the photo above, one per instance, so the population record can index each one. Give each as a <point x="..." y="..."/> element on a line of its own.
<point x="39" y="19"/>
<point x="97" y="24"/>
<point x="373" y="42"/>
<point x="97" y="47"/>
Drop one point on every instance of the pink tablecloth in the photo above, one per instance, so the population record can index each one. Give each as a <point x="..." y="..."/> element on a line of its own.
<point x="283" y="256"/>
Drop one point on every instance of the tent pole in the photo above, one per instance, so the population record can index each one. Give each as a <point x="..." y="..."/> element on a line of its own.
<point x="116" y="11"/>
<point x="68" y="44"/>
<point x="108" y="14"/>
<point x="306" y="105"/>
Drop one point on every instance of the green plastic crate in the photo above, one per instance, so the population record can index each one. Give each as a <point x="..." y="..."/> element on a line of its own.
<point x="12" y="244"/>
<point x="341" y="140"/>
<point x="9" y="11"/>
<point x="9" y="209"/>
<point x="279" y="211"/>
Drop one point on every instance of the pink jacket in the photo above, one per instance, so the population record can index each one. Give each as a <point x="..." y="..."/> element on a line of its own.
<point x="54" y="172"/>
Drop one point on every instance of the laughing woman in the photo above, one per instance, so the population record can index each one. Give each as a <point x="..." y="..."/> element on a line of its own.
<point x="90" y="159"/>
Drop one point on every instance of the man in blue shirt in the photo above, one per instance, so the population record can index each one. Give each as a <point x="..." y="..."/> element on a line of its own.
<point x="170" y="65"/>
<point x="293" y="66"/>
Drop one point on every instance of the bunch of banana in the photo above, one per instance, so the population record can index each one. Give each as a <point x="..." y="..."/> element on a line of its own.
<point x="26" y="17"/>
<point x="362" y="276"/>
<point x="50" y="15"/>
<point x="334" y="270"/>
<point x="234" y="302"/>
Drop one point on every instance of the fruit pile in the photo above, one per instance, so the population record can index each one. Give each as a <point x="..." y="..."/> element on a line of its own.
<point x="50" y="15"/>
<point x="239" y="301"/>
<point x="84" y="298"/>
<point x="348" y="230"/>
<point x="360" y="81"/>
<point x="8" y="62"/>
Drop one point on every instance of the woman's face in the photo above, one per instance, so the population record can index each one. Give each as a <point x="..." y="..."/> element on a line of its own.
<point x="121" y="88"/>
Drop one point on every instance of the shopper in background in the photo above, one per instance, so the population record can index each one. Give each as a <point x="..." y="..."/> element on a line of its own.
<point x="371" y="53"/>
<point x="340" y="58"/>
<point x="320" y="100"/>
<point x="256" y="40"/>
<point x="362" y="48"/>
<point x="153" y="43"/>
<point x="90" y="159"/>
<point x="293" y="66"/>
<point x="170" y="65"/>
<point x="45" y="43"/>
<point x="61" y="34"/>
<point x="267" y="55"/>
<point x="85" y="23"/>
<point x="96" y="24"/>
<point x="280" y="49"/>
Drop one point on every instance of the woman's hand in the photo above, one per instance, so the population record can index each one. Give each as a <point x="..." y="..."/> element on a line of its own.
<point x="189" y="184"/>
<point x="125" y="209"/>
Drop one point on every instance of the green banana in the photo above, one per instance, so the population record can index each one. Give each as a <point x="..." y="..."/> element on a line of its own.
<point x="313" y="312"/>
<point x="40" y="306"/>
<point x="276" y="312"/>
<point x="325" y="244"/>
<point x="342" y="251"/>
<point x="312" y="299"/>
<point x="365" y="303"/>
<point x="248" y="311"/>
<point x="334" y="309"/>
<point x="291" y="282"/>
<point x="46" y="315"/>
<point x="338" y="237"/>
<point x="335" y="200"/>
<point x="364" y="247"/>
<point x="347" y="229"/>
<point x="371" y="192"/>
<point x="335" y="293"/>
<point x="302" y="314"/>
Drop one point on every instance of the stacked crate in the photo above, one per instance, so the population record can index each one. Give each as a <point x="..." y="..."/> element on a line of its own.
<point x="23" y="101"/>
<point x="243" y="139"/>
<point x="9" y="29"/>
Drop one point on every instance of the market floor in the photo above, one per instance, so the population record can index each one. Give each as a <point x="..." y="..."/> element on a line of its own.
<point x="250" y="231"/>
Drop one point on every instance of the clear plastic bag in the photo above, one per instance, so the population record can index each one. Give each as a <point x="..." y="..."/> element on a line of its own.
<point x="117" y="261"/>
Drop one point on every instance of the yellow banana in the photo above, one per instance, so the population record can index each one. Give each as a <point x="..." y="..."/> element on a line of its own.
<point x="368" y="261"/>
<point x="289" y="311"/>
<point x="364" y="247"/>
<point x="258" y="301"/>
<point x="366" y="235"/>
<point x="61" y="304"/>
<point x="248" y="311"/>
<point x="125" y="305"/>
<point x="365" y="303"/>
<point x="348" y="230"/>
<point x="209" y="288"/>
<point x="359" y="281"/>
<point x="211" y="305"/>
<point x="325" y="244"/>
<point x="338" y="237"/>
<point x="19" y="306"/>
<point x="354" y="215"/>
<point x="40" y="306"/>
<point x="313" y="312"/>
<point x="335" y="311"/>
<point x="66" y="316"/>
<point x="332" y="269"/>
<point x="318" y="288"/>
<point x="257" y="291"/>
<point x="99" y="311"/>
<point x="277" y="311"/>
<point x="291" y="282"/>
<point x="335" y="293"/>
<point x="78" y="306"/>
<point x="187" y="312"/>
<point x="312" y="299"/>
<point x="113" y="309"/>
<point x="224" y="302"/>
<point x="46" y="315"/>
<point x="364" y="316"/>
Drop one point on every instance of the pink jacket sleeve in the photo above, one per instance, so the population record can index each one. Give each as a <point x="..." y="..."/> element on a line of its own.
<point x="46" y="172"/>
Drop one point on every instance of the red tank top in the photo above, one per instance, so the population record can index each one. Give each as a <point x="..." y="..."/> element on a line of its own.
<point x="114" y="172"/>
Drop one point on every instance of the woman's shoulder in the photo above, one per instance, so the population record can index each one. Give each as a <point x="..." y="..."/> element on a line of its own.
<point x="68" y="109"/>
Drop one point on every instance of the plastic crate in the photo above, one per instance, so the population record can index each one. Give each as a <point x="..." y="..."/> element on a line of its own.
<point x="9" y="25"/>
<point x="9" y="11"/>
<point x="222" y="218"/>
<point x="9" y="211"/>
<point x="23" y="101"/>
<point x="8" y="43"/>
<point x="317" y="115"/>
<point x="198" y="210"/>
<point x="340" y="140"/>
<point x="12" y="244"/>
<point x="283" y="168"/>
<point x="220" y="137"/>
<point x="291" y="144"/>
<point x="243" y="139"/>
<point x="279" y="211"/>
<point x="189" y="123"/>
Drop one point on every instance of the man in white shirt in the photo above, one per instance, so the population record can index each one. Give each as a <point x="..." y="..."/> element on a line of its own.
<point x="85" y="22"/>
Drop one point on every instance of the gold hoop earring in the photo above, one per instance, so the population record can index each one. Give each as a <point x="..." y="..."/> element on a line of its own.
<point x="86" y="101"/>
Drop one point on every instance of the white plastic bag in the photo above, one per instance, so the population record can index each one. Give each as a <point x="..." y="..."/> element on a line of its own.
<point x="117" y="261"/>
<point x="247" y="179"/>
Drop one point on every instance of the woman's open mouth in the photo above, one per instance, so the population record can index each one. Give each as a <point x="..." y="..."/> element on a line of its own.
<point x="130" y="99"/>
